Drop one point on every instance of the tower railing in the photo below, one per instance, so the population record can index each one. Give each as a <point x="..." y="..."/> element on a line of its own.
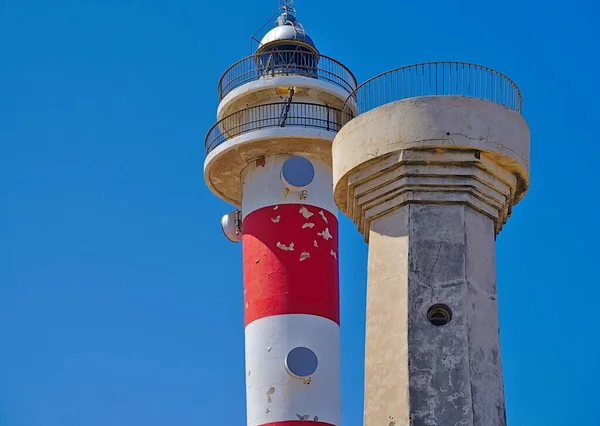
<point x="278" y="114"/>
<point x="434" y="79"/>
<point x="286" y="62"/>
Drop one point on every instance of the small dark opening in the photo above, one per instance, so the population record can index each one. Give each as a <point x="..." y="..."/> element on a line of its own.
<point x="439" y="315"/>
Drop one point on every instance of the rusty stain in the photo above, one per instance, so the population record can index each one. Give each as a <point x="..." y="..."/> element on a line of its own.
<point x="284" y="247"/>
<point x="325" y="234"/>
<point x="304" y="255"/>
<point x="270" y="392"/>
<point x="276" y="219"/>
<point x="332" y="252"/>
<point x="305" y="212"/>
<point x="323" y="216"/>
<point x="316" y="244"/>
<point x="260" y="162"/>
<point x="308" y="225"/>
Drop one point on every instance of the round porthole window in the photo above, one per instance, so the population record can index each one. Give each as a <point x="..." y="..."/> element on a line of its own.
<point x="297" y="173"/>
<point x="301" y="362"/>
<point x="439" y="315"/>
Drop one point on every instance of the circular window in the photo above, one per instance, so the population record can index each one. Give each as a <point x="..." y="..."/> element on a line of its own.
<point x="301" y="362"/>
<point x="439" y="315"/>
<point x="297" y="173"/>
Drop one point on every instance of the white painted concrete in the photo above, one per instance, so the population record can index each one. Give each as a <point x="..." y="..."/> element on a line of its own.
<point x="272" y="133"/>
<point x="303" y="111"/>
<point x="273" y="395"/>
<point x="270" y="83"/>
<point x="263" y="186"/>
<point x="224" y="165"/>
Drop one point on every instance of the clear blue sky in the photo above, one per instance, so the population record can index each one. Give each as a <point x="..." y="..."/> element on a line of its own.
<point x="121" y="301"/>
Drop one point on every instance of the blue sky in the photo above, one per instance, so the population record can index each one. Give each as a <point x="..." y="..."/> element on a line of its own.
<point x="121" y="301"/>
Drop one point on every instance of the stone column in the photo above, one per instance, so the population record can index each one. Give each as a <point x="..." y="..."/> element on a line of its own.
<point x="430" y="182"/>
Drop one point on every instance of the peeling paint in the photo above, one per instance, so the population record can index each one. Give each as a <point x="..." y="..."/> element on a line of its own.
<point x="333" y="253"/>
<point x="275" y="208"/>
<point x="305" y="212"/>
<point x="294" y="395"/>
<point x="270" y="392"/>
<point x="304" y="255"/>
<point x="325" y="234"/>
<point x="284" y="247"/>
<point x="303" y="417"/>
<point x="316" y="244"/>
<point x="308" y="225"/>
<point x="268" y="348"/>
<point x="323" y="216"/>
<point x="276" y="219"/>
<point x="267" y="411"/>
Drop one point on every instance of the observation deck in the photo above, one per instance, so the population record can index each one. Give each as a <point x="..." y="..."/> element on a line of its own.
<point x="256" y="79"/>
<point x="435" y="79"/>
<point x="439" y="132"/>
<point x="277" y="101"/>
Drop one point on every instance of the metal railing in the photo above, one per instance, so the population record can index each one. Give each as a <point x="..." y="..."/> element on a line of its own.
<point x="286" y="62"/>
<point x="436" y="79"/>
<point x="280" y="114"/>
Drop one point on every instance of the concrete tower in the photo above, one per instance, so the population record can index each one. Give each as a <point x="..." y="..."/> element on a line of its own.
<point x="430" y="172"/>
<point x="270" y="155"/>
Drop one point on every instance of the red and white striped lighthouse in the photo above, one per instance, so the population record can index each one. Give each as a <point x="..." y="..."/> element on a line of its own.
<point x="270" y="154"/>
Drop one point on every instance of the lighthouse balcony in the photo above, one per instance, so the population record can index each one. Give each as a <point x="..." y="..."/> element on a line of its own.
<point x="457" y="79"/>
<point x="291" y="128"/>
<point x="278" y="116"/>
<point x="440" y="132"/>
<point x="257" y="78"/>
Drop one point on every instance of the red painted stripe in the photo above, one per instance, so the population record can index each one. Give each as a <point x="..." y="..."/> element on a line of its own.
<point x="276" y="280"/>
<point x="295" y="422"/>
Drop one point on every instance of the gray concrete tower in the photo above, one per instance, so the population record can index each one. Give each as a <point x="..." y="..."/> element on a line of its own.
<point x="429" y="171"/>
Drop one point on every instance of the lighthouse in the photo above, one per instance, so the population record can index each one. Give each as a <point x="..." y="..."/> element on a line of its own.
<point x="430" y="172"/>
<point x="269" y="155"/>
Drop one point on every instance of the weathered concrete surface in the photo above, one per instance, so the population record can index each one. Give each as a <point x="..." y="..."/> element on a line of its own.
<point x="387" y="395"/>
<point x="443" y="122"/>
<point x="417" y="373"/>
<point x="429" y="176"/>
<point x="430" y="182"/>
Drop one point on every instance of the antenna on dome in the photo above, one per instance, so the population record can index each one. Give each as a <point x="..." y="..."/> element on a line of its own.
<point x="287" y="16"/>
<point x="287" y="6"/>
